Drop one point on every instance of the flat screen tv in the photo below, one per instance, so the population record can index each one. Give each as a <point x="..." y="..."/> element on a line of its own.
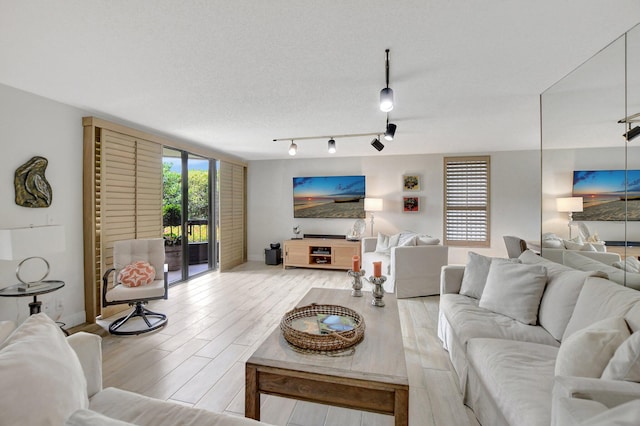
<point x="603" y="193"/>
<point x="329" y="197"/>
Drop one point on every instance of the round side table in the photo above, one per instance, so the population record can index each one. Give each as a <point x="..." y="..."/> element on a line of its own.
<point x="18" y="290"/>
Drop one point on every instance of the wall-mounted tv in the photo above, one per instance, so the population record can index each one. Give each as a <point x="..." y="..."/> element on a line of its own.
<point x="328" y="197"/>
<point x="603" y="193"/>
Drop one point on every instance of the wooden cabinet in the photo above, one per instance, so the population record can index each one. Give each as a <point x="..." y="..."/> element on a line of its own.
<point x="320" y="253"/>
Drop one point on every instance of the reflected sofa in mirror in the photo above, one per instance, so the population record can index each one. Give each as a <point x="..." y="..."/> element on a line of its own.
<point x="584" y="117"/>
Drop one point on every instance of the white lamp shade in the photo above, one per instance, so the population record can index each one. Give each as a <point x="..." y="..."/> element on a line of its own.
<point x="20" y="243"/>
<point x="569" y="204"/>
<point x="373" y="204"/>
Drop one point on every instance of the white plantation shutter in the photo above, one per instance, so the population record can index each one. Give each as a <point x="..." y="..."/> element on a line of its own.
<point x="466" y="201"/>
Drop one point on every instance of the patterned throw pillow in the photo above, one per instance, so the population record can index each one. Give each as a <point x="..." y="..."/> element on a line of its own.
<point x="137" y="274"/>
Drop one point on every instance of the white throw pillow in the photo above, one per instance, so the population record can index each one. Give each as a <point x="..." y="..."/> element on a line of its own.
<point x="407" y="239"/>
<point x="427" y="240"/>
<point x="475" y="274"/>
<point x="42" y="380"/>
<point x="588" y="247"/>
<point x="571" y="245"/>
<point x="633" y="263"/>
<point x="514" y="290"/>
<point x="587" y="352"/>
<point x="551" y="240"/>
<point x="385" y="243"/>
<point x="625" y="363"/>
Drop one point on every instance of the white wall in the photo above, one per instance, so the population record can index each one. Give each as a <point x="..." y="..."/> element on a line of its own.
<point x="515" y="198"/>
<point x="33" y="126"/>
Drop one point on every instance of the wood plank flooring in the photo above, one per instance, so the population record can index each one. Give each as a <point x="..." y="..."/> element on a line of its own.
<point x="216" y="321"/>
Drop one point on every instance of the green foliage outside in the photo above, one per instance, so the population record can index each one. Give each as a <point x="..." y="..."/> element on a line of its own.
<point x="198" y="204"/>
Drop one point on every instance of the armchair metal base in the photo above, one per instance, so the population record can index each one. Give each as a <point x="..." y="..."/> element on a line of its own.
<point x="139" y="311"/>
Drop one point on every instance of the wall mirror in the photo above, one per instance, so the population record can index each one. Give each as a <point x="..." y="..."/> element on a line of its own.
<point x="582" y="127"/>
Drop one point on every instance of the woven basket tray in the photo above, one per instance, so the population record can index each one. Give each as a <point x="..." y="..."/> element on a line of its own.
<point x="338" y="340"/>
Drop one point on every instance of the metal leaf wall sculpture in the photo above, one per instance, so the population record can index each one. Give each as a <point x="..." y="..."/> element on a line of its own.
<point x="32" y="188"/>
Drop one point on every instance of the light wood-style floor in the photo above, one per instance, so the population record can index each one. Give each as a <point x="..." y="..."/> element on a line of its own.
<point x="216" y="321"/>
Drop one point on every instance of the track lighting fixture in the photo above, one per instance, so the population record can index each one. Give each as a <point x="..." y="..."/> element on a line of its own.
<point x="293" y="148"/>
<point x="332" y="146"/>
<point x="390" y="131"/>
<point x="377" y="144"/>
<point x="632" y="134"/>
<point x="386" y="94"/>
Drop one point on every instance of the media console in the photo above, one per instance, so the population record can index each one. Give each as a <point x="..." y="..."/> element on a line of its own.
<point x="320" y="253"/>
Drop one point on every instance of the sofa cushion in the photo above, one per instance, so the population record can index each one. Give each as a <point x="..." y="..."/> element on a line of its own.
<point x="587" y="352"/>
<point x="142" y="410"/>
<point x="584" y="263"/>
<point x="42" y="380"/>
<point x="517" y="375"/>
<point x="469" y="321"/>
<point x="514" y="290"/>
<point x="598" y="300"/>
<point x="625" y="363"/>
<point x="91" y="418"/>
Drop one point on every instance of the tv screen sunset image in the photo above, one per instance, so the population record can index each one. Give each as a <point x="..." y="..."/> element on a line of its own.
<point x="329" y="197"/>
<point x="605" y="192"/>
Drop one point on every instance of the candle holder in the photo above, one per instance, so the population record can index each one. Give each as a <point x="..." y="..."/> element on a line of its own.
<point x="356" y="283"/>
<point x="378" y="290"/>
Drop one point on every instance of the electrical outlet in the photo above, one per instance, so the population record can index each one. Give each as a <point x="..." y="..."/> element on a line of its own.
<point x="46" y="306"/>
<point x="59" y="305"/>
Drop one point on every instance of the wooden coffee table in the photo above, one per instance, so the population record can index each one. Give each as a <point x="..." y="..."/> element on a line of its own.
<point x="374" y="378"/>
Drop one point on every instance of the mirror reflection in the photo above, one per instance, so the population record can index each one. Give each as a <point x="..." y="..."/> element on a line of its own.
<point x="590" y="170"/>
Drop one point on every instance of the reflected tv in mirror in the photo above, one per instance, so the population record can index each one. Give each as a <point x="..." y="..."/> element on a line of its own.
<point x="603" y="194"/>
<point x="329" y="197"/>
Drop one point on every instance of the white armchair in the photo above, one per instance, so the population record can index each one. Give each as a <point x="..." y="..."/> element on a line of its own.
<point x="412" y="271"/>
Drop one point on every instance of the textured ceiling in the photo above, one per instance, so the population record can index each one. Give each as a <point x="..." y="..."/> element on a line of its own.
<point x="234" y="75"/>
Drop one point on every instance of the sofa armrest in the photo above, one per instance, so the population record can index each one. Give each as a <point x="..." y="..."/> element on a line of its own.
<point x="451" y="278"/>
<point x="416" y="269"/>
<point x="368" y="244"/>
<point x="611" y="393"/>
<point x="88" y="347"/>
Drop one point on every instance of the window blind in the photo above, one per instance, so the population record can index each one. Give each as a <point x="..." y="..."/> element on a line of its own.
<point x="467" y="201"/>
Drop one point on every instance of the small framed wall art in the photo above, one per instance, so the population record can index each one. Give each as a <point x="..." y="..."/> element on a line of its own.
<point x="410" y="204"/>
<point x="411" y="182"/>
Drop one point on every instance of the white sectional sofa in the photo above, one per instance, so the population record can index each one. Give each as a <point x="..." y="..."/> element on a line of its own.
<point x="47" y="379"/>
<point x="519" y="333"/>
<point x="412" y="269"/>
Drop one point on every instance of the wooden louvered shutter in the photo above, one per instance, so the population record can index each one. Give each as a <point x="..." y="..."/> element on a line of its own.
<point x="233" y="250"/>
<point x="467" y="201"/>
<point x="130" y="194"/>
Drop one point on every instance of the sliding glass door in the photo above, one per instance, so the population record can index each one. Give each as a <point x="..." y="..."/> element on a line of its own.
<point x="188" y="214"/>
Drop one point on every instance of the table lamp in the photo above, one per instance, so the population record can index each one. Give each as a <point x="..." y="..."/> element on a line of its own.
<point x="372" y="205"/>
<point x="25" y="244"/>
<point x="569" y="205"/>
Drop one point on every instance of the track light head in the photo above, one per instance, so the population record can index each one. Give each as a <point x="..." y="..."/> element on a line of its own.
<point x="332" y="146"/>
<point x="386" y="94"/>
<point x="386" y="99"/>
<point x="293" y="149"/>
<point x="390" y="132"/>
<point x="377" y="144"/>
<point x="632" y="134"/>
